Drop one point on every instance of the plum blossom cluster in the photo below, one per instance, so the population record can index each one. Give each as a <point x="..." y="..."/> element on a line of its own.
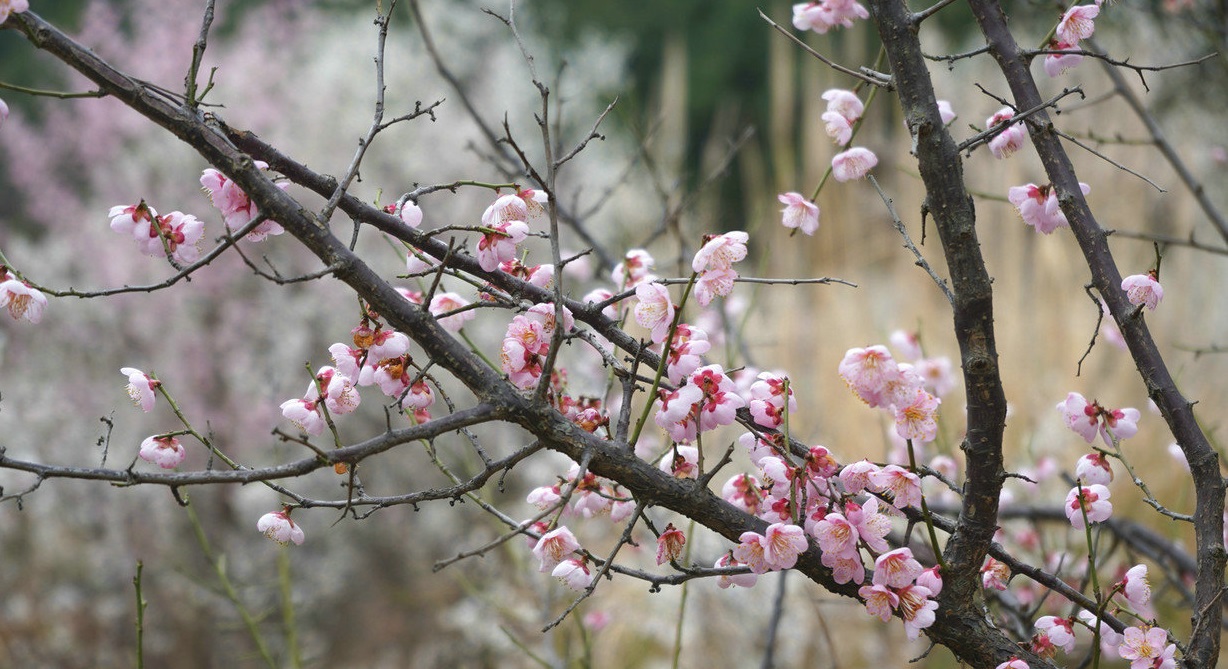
<point x="1038" y="206"/>
<point x="713" y="264"/>
<point x="23" y="301"/>
<point x="555" y="549"/>
<point x="378" y="357"/>
<point x="504" y="226"/>
<point x="1087" y="419"/>
<point x="709" y="399"/>
<point x="176" y="235"/>
<point x="902" y="586"/>
<point x="827" y="14"/>
<point x="527" y="341"/>
<point x="881" y="382"/>
<point x="236" y="207"/>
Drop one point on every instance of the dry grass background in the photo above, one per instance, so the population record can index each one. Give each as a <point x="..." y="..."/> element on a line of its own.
<point x="364" y="593"/>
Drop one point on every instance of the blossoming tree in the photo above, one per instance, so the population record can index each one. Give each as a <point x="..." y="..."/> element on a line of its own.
<point x="647" y="449"/>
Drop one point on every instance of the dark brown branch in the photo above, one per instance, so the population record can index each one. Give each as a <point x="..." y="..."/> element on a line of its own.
<point x="1177" y="411"/>
<point x="961" y="625"/>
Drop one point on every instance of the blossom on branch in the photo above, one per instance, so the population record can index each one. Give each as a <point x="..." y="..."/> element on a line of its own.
<point x="21" y="299"/>
<point x="1092" y="501"/>
<point x="278" y="527"/>
<point x="11" y="7"/>
<point x="799" y="213"/>
<point x="1077" y="23"/>
<point x="669" y="544"/>
<point x="1143" y="290"/>
<point x="498" y="243"/>
<point x="1009" y="140"/>
<point x="237" y="208"/>
<point x="140" y="387"/>
<point x="166" y="452"/>
<point x="855" y="163"/>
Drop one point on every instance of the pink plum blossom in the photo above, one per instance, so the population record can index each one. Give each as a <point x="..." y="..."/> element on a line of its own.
<point x="654" y="311"/>
<point x="573" y="573"/>
<point x="444" y="303"/>
<point x="305" y="414"/>
<point x="141" y="387"/>
<point x="844" y="102"/>
<point x="686" y="351"/>
<point x="995" y="574"/>
<point x="907" y="343"/>
<point x="1143" y="290"/>
<point x="1013" y="663"/>
<point x="867" y="372"/>
<point x="1092" y="500"/>
<point x="237" y="208"/>
<point x="14" y="7"/>
<point x="1038" y="206"/>
<point x="1146" y="647"/>
<point x="166" y="452"/>
<point x="519" y="206"/>
<point x="720" y="252"/>
<point x="417" y="262"/>
<point x="725" y="581"/>
<point x="1009" y="140"/>
<point x="872" y="525"/>
<point x="904" y="486"/>
<point x="720" y="397"/>
<point x="836" y="535"/>
<point x="278" y="527"/>
<point x="749" y="552"/>
<point x="1077" y="23"/>
<point x="411" y="214"/>
<point x="931" y="578"/>
<point x="742" y="491"/>
<point x="554" y="547"/>
<point x="1094" y="468"/>
<point x="1088" y="419"/>
<point x="897" y="568"/>
<point x="177" y="233"/>
<point x="916" y="608"/>
<point x="1137" y="589"/>
<point x="635" y="268"/>
<point x="854" y="163"/>
<point x="857" y="476"/>
<point x="945" y="112"/>
<point x="823" y="16"/>
<point x="782" y="543"/>
<point x="1056" y="64"/>
<point x="918" y="419"/>
<point x="1110" y="640"/>
<point x="1057" y="631"/>
<point x="682" y="462"/>
<point x="498" y="243"/>
<point x="799" y="213"/>
<point x="880" y="600"/>
<point x="340" y="395"/>
<point x="22" y="300"/>
<point x="669" y="544"/>
<point x="133" y="220"/>
<point x="839" y="128"/>
<point x="714" y="283"/>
